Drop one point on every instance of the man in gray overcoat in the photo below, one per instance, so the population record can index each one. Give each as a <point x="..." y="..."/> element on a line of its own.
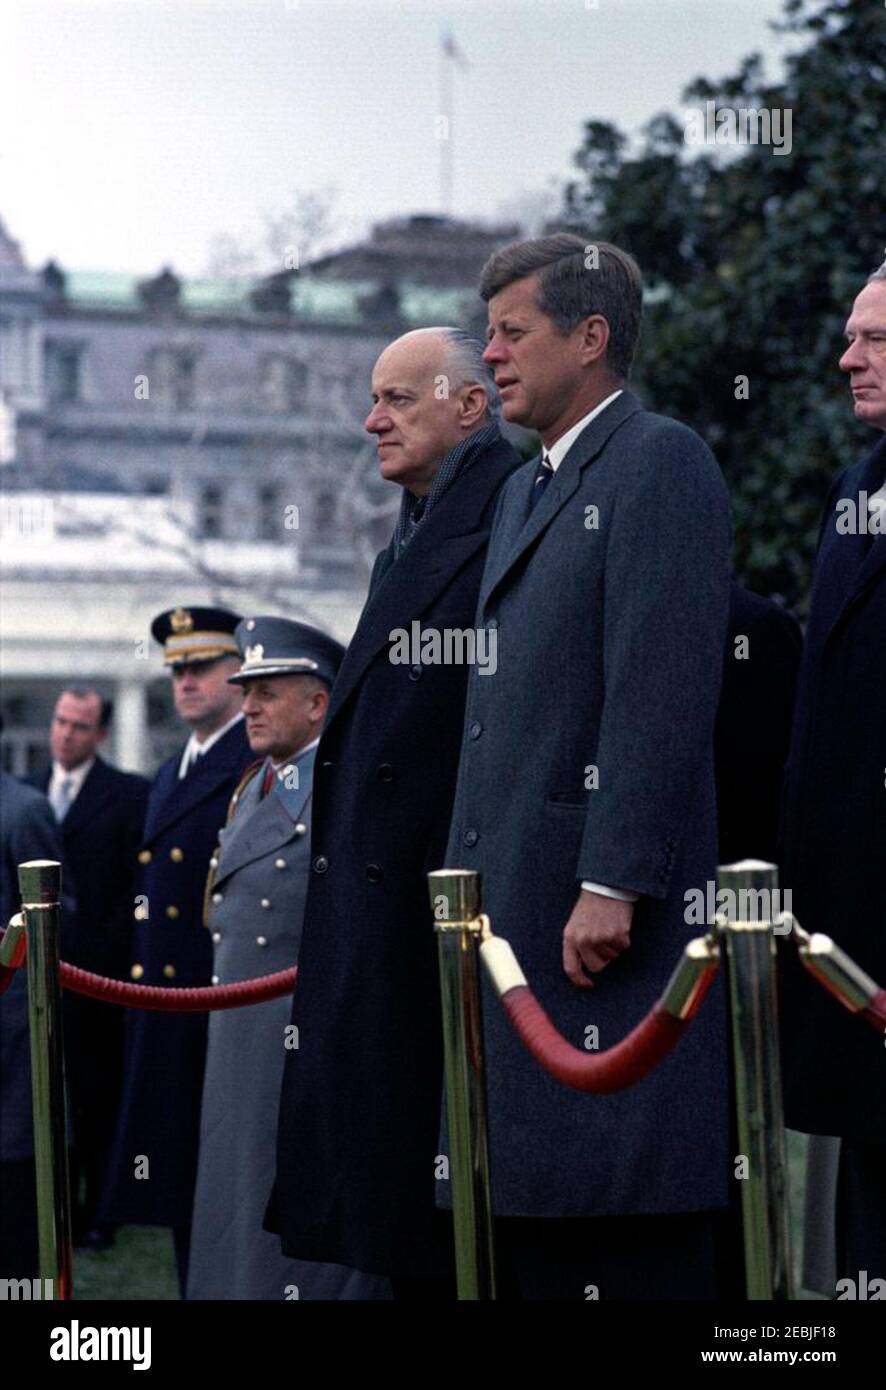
<point x="586" y="786"/>
<point x="254" y="906"/>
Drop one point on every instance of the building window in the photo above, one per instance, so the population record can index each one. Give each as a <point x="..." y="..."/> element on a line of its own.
<point x="284" y="383"/>
<point x="268" y="513"/>
<point x="63" y="364"/>
<point x="211" y="518"/>
<point x="171" y="377"/>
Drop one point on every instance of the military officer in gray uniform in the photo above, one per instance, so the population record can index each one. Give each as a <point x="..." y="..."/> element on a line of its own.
<point x="255" y="897"/>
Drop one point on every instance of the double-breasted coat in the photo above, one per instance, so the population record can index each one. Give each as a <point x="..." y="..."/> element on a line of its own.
<point x="835" y="818"/>
<point x="588" y="756"/>
<point x="164" y="1053"/>
<point x="255" y="906"/>
<point x="361" y="1096"/>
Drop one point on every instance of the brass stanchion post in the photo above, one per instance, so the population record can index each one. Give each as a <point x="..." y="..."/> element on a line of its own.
<point x="40" y="885"/>
<point x="455" y="902"/>
<point x="746" y="921"/>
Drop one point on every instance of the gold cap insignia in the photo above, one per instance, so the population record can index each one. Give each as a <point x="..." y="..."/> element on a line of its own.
<point x="181" y="620"/>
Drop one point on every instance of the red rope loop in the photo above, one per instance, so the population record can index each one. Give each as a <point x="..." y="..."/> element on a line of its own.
<point x="619" y="1067"/>
<point x="160" y="999"/>
<point x="174" y="1001"/>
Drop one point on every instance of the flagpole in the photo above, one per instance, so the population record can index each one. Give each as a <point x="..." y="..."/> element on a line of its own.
<point x="446" y="134"/>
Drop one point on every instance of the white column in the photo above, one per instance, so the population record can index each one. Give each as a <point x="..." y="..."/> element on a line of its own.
<point x="131" y="750"/>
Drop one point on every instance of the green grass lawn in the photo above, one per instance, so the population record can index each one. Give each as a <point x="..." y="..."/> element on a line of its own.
<point x="140" y="1265"/>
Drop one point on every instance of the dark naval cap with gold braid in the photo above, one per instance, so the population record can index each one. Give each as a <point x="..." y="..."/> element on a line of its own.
<point x="283" y="647"/>
<point x="192" y="635"/>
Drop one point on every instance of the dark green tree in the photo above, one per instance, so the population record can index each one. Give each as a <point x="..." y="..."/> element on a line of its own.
<point x="752" y="259"/>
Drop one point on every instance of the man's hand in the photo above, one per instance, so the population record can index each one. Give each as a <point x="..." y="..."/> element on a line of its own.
<point x="598" y="930"/>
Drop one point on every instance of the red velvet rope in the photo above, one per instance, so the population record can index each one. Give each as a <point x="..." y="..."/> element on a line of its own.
<point x="613" y="1070"/>
<point x="875" y="1013"/>
<point x="175" y="1001"/>
<point x="160" y="999"/>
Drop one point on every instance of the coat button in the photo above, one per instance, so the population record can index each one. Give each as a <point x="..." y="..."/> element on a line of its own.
<point x="213" y="863"/>
<point x="266" y="903"/>
<point x="144" y="856"/>
<point x="471" y="837"/>
<point x="217" y="898"/>
<point x="281" y="863"/>
<point x="301" y="828"/>
<point x="214" y="980"/>
<point x="169" y="972"/>
<point x="216" y="936"/>
<point x="176" y="854"/>
<point x="415" y="673"/>
<point x="373" y="873"/>
<point x="137" y="971"/>
<point x="320" y="864"/>
<point x="384" y="772"/>
<point x="172" y="911"/>
<point x="261" y="941"/>
<point x="475" y="729"/>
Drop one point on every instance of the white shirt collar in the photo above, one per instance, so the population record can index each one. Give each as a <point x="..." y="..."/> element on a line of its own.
<point x="557" y="452"/>
<point x="76" y="777"/>
<point x="194" y="750"/>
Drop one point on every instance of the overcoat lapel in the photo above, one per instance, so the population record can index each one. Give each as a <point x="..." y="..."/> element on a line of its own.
<point x="518" y="527"/>
<point x="264" y="824"/>
<point x="92" y="796"/>
<point x="430" y="562"/>
<point x="172" y="799"/>
<point x="846" y="571"/>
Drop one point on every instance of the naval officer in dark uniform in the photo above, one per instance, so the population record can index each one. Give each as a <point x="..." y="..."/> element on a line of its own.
<point x="154" y="1158"/>
<point x="255" y="897"/>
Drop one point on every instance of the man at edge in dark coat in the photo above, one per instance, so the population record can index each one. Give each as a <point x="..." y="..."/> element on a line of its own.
<point x="835" y="819"/>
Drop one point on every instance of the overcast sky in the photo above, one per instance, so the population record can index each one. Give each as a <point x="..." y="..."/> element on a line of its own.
<point x="132" y="133"/>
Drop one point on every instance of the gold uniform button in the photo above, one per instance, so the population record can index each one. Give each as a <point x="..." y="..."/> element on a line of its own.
<point x="261" y="941"/>
<point x="266" y="902"/>
<point x="169" y="972"/>
<point x="144" y="856"/>
<point x="176" y="855"/>
<point x="172" y="911"/>
<point x="279" y="863"/>
<point x="137" y="971"/>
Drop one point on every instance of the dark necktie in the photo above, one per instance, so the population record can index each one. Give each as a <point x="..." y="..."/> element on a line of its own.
<point x="542" y="478"/>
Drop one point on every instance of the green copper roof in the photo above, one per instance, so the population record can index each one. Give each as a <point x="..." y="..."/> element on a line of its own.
<point x="314" y="300"/>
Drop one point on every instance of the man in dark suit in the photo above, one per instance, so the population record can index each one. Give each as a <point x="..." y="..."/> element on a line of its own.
<point x="154" y="1158"/>
<point x="101" y="812"/>
<point x="835" y="819"/>
<point x="28" y="830"/>
<point x="586" y="786"/>
<point x="361" y="1095"/>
